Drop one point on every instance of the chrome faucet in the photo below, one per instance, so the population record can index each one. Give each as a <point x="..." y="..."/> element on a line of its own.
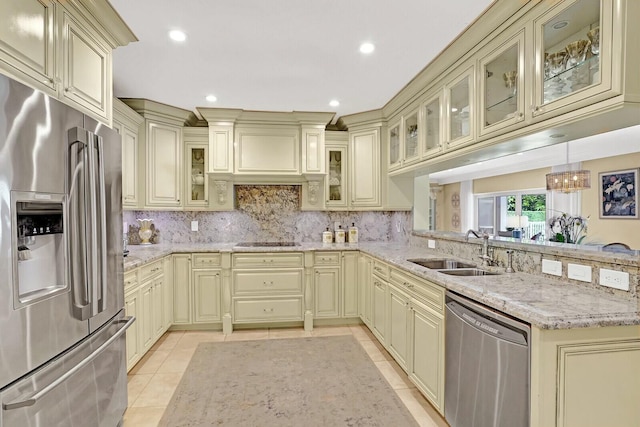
<point x="471" y="231"/>
<point x="486" y="257"/>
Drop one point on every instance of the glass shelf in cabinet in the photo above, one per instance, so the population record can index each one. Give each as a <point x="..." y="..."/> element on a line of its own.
<point x="505" y="103"/>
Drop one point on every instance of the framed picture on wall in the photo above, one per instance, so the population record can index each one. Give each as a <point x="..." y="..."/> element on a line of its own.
<point x="619" y="191"/>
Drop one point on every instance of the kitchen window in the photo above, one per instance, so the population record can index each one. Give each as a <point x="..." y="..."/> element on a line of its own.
<point x="497" y="213"/>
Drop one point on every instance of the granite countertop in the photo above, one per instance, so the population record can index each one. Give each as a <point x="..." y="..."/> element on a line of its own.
<point x="541" y="301"/>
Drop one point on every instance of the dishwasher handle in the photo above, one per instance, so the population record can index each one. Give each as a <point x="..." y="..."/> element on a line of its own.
<point x="486" y="325"/>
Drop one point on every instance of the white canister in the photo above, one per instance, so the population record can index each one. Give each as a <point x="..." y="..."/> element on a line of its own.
<point x="340" y="235"/>
<point x="327" y="236"/>
<point x="353" y="233"/>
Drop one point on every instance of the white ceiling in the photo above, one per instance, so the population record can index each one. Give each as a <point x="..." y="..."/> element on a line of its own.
<point x="282" y="55"/>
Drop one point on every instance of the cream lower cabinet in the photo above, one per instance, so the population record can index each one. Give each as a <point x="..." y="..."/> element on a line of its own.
<point x="398" y="325"/>
<point x="379" y="292"/>
<point x="206" y="282"/>
<point x="425" y="363"/>
<point x="151" y="310"/>
<point x="349" y="278"/>
<point x="132" y="308"/>
<point x="326" y="292"/>
<point x="182" y="289"/>
<point x="365" y="284"/>
<point x="267" y="287"/>
<point x="197" y="288"/>
<point x="585" y="377"/>
<point x="335" y="284"/>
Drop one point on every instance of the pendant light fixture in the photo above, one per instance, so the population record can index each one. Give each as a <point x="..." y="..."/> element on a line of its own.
<point x="569" y="181"/>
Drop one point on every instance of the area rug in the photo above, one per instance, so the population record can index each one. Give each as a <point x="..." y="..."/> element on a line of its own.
<point x="323" y="381"/>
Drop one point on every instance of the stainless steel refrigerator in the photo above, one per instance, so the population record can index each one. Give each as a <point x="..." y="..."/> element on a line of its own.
<point x="62" y="322"/>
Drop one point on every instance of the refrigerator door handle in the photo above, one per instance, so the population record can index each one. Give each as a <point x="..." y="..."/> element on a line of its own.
<point x="97" y="227"/>
<point x="127" y="321"/>
<point x="100" y="209"/>
<point x="78" y="186"/>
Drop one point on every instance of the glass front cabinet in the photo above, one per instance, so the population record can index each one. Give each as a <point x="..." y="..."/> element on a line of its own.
<point x="410" y="140"/>
<point x="336" y="182"/>
<point x="197" y="181"/>
<point x="502" y="85"/>
<point x="432" y="113"/>
<point x="574" y="45"/>
<point x="460" y="117"/>
<point x="395" y="161"/>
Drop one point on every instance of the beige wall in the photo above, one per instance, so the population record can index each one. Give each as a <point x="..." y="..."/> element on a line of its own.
<point x="511" y="182"/>
<point x="609" y="230"/>
<point x="445" y="209"/>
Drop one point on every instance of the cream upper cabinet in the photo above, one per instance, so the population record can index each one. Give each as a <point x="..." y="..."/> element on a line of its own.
<point x="164" y="165"/>
<point x="313" y="149"/>
<point x="86" y="65"/>
<point x="502" y="84"/>
<point x="395" y="146"/>
<point x="61" y="48"/>
<point x="127" y="122"/>
<point x="433" y="129"/>
<point x="273" y="151"/>
<point x="411" y="138"/>
<point x="364" y="168"/>
<point x="27" y="48"/>
<point x="196" y="150"/>
<point x="336" y="181"/>
<point x="404" y="141"/>
<point x="460" y="112"/>
<point x="575" y="44"/>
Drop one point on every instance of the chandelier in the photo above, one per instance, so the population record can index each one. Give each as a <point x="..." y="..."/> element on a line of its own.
<point x="569" y="181"/>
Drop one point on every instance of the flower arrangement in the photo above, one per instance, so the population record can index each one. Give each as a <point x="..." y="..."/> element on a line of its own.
<point x="568" y="229"/>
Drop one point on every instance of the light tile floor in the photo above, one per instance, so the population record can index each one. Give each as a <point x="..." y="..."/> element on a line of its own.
<point x="153" y="380"/>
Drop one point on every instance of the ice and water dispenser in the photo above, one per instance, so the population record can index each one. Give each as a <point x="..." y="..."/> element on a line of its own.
<point x="38" y="245"/>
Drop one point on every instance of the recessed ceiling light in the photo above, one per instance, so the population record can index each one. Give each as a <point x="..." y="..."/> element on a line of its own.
<point x="454" y="109"/>
<point x="519" y="154"/>
<point x="177" y="35"/>
<point x="334" y="103"/>
<point x="367" y="48"/>
<point x="211" y="98"/>
<point x="560" y="24"/>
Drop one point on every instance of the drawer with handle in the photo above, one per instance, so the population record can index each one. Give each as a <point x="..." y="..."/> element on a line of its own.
<point x="267" y="310"/>
<point x="151" y="270"/>
<point x="267" y="282"/>
<point x="381" y="269"/>
<point x="261" y="260"/>
<point x="130" y="279"/>
<point x="431" y="294"/>
<point x="326" y="258"/>
<point x="206" y="260"/>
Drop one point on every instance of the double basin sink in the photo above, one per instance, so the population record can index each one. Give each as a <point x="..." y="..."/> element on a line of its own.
<point x="451" y="267"/>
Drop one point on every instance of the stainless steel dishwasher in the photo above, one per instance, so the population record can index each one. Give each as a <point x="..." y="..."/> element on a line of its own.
<point x="487" y="361"/>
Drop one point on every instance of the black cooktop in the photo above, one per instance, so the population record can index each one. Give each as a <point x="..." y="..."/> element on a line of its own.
<point x="267" y="244"/>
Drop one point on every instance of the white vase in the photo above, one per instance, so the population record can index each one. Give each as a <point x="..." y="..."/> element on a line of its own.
<point x="145" y="231"/>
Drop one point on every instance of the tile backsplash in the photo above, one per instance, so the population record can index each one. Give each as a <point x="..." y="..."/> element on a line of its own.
<point x="271" y="213"/>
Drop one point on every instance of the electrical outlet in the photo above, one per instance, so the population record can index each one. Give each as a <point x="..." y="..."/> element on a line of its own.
<point x="552" y="267"/>
<point x="431" y="244"/>
<point x="194" y="225"/>
<point x="614" y="279"/>
<point x="579" y="272"/>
